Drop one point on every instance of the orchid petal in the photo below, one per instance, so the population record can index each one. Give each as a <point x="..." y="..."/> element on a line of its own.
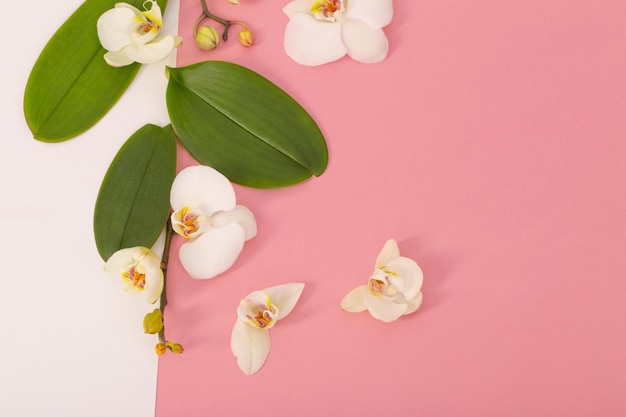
<point x="364" y="43"/>
<point x="155" y="51"/>
<point x="202" y="187"/>
<point x="122" y="259"/>
<point x="389" y="251"/>
<point x="113" y="28"/>
<point x="383" y="309"/>
<point x="213" y="252"/>
<point x="147" y="37"/>
<point x="411" y="274"/>
<point x="375" y="13"/>
<point x="241" y="215"/>
<point x="354" y="301"/>
<point x="117" y="59"/>
<point x="135" y="10"/>
<point x="250" y="345"/>
<point x="155" y="288"/>
<point x="284" y="297"/>
<point x="414" y="304"/>
<point x="310" y="42"/>
<point x="297" y="6"/>
<point x="154" y="14"/>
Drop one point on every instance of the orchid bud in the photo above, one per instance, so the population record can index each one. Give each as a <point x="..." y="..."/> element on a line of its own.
<point x="153" y="322"/>
<point x="207" y="38"/>
<point x="175" y="347"/>
<point x="160" y="348"/>
<point x="246" y="37"/>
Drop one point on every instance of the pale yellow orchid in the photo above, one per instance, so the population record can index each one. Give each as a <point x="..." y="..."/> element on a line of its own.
<point x="140" y="271"/>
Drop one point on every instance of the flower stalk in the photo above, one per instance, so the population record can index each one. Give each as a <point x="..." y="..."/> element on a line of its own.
<point x="163" y="344"/>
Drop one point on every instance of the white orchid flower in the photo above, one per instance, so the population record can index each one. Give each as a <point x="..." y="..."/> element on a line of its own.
<point x="140" y="270"/>
<point x="205" y="213"/>
<point x="393" y="290"/>
<point x="321" y="31"/>
<point x="130" y="35"/>
<point x="257" y="313"/>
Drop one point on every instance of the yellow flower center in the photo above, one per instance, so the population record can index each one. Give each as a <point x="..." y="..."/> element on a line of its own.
<point x="185" y="222"/>
<point x="146" y="27"/>
<point x="259" y="311"/>
<point x="326" y="8"/>
<point x="136" y="278"/>
<point x="263" y="318"/>
<point x="379" y="284"/>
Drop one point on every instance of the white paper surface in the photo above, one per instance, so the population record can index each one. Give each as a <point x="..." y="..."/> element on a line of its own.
<point x="72" y="343"/>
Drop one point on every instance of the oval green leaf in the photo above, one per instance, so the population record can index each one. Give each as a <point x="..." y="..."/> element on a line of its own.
<point x="134" y="199"/>
<point x="71" y="87"/>
<point x="243" y="125"/>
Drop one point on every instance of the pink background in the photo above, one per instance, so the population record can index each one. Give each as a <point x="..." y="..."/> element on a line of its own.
<point x="490" y="145"/>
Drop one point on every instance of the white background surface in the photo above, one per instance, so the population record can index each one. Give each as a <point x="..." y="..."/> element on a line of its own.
<point x="72" y="343"/>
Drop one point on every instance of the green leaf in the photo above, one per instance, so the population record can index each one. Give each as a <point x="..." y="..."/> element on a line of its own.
<point x="71" y="87"/>
<point x="133" y="202"/>
<point x="243" y="125"/>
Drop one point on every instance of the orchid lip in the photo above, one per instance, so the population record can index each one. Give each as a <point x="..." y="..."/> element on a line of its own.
<point x="189" y="222"/>
<point x="135" y="278"/>
<point x="258" y="310"/>
<point x="329" y="10"/>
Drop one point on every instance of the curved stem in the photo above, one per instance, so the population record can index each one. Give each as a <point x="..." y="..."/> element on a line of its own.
<point x="197" y="24"/>
<point x="243" y="25"/>
<point x="164" y="260"/>
<point x="206" y="14"/>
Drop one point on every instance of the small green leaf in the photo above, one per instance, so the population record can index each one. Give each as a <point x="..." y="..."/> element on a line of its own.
<point x="243" y="125"/>
<point x="133" y="202"/>
<point x="71" y="87"/>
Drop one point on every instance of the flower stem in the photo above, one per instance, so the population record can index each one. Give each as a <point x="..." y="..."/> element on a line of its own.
<point x="164" y="259"/>
<point x="206" y="14"/>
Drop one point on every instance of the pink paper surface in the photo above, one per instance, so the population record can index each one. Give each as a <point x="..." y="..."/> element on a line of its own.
<point x="490" y="145"/>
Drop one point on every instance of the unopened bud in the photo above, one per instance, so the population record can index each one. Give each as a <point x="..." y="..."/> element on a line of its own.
<point x="175" y="347"/>
<point x="246" y="37"/>
<point x="160" y="348"/>
<point x="153" y="322"/>
<point x="207" y="38"/>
